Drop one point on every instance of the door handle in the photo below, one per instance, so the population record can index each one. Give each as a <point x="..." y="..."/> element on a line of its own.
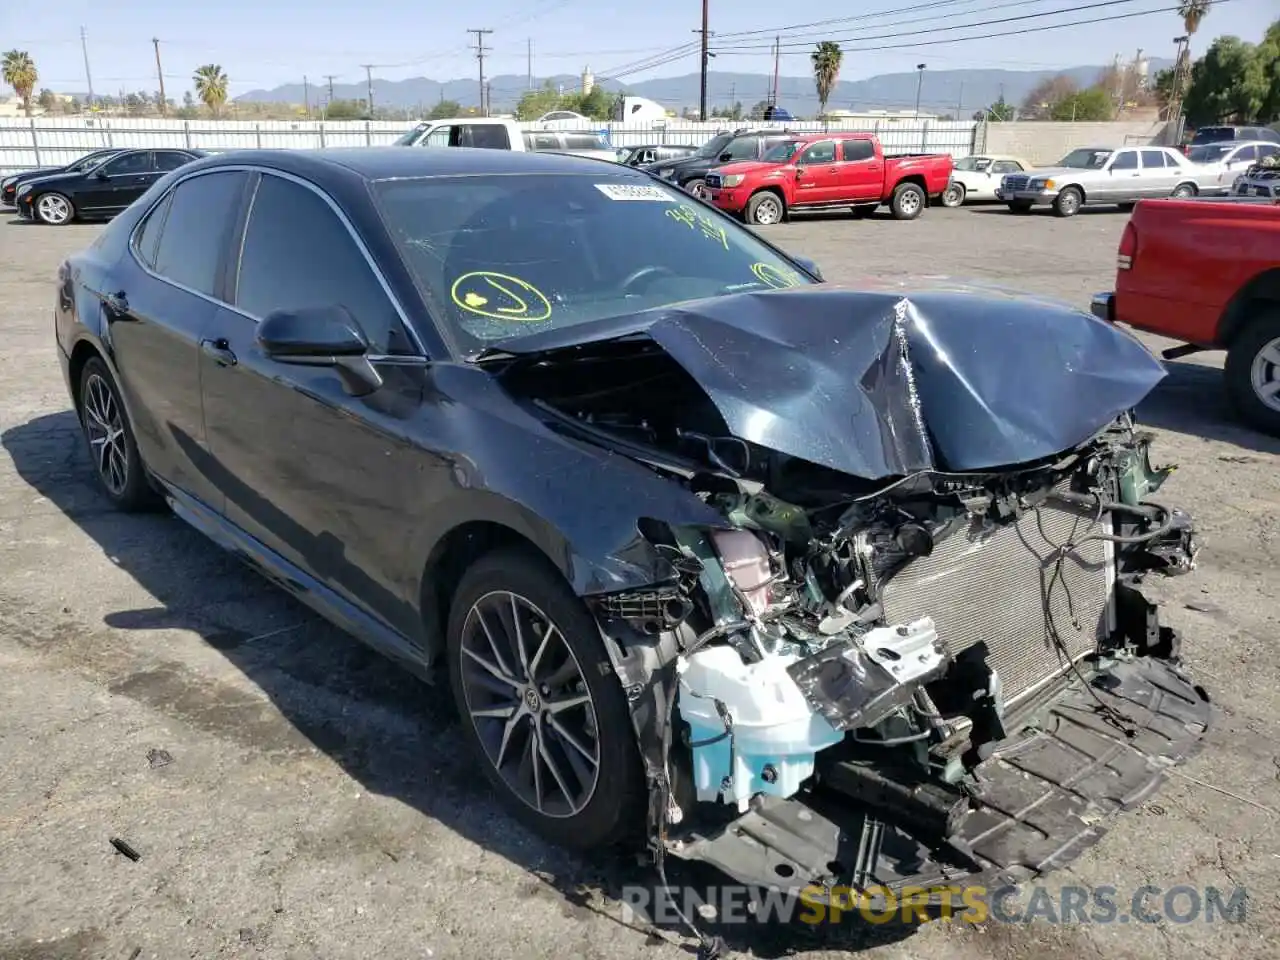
<point x="219" y="351"/>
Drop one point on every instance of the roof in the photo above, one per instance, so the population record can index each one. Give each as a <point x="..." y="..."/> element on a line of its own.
<point x="394" y="163"/>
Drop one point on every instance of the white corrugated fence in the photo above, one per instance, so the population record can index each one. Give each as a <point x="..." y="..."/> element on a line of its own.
<point x="53" y="141"/>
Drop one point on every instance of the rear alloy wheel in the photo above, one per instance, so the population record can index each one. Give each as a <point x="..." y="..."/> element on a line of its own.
<point x="953" y="196"/>
<point x="541" y="704"/>
<point x="765" y="208"/>
<point x="1184" y="191"/>
<point x="908" y="201"/>
<point x="1253" y="373"/>
<point x="111" y="444"/>
<point x="1068" y="202"/>
<point x="55" y="209"/>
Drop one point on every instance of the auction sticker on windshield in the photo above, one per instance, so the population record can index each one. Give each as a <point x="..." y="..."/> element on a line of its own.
<point x="634" y="191"/>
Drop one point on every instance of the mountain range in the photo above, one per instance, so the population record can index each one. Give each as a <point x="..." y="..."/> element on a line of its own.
<point x="941" y="91"/>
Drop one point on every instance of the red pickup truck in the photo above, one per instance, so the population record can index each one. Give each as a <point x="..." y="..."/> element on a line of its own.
<point x="1207" y="272"/>
<point x="825" y="170"/>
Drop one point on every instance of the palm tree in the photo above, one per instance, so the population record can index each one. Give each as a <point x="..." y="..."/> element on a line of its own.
<point x="826" y="59"/>
<point x="1192" y="12"/>
<point x="211" y="87"/>
<point x="21" y="74"/>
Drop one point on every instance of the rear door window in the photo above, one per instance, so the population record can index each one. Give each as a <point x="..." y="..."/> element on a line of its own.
<point x="171" y="159"/>
<point x="857" y="150"/>
<point x="1153" y="159"/>
<point x="741" y="148"/>
<point x="196" y="230"/>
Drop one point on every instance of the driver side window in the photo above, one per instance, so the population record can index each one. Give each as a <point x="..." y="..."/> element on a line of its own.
<point x="130" y="163"/>
<point x="824" y="152"/>
<point x="439" y="137"/>
<point x="1125" y="160"/>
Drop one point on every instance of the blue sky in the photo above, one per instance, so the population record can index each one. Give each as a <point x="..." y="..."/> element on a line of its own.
<point x="263" y="43"/>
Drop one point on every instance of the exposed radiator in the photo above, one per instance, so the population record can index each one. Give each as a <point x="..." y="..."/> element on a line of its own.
<point x="991" y="589"/>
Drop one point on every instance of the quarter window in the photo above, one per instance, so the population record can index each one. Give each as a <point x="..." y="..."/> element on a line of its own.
<point x="297" y="253"/>
<point x="149" y="235"/>
<point x="197" y="228"/>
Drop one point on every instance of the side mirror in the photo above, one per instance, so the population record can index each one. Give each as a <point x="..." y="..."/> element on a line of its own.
<point x="101" y="174"/>
<point x="810" y="265"/>
<point x="321" y="337"/>
<point x="725" y="157"/>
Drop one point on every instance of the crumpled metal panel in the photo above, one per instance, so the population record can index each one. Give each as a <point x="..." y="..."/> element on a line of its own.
<point x="879" y="383"/>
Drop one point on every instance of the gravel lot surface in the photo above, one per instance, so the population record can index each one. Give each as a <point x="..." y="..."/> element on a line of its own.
<point x="312" y="801"/>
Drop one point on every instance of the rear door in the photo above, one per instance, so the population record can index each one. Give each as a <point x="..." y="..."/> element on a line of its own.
<point x="859" y="171"/>
<point x="156" y="323"/>
<point x="1158" y="178"/>
<point x="817" y="174"/>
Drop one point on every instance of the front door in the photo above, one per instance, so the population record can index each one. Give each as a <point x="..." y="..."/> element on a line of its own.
<point x="102" y="186"/>
<point x="1158" y="178"/>
<point x="817" y="174"/>
<point x="318" y="476"/>
<point x="860" y="171"/>
<point x="155" y="325"/>
<point x="1123" y="184"/>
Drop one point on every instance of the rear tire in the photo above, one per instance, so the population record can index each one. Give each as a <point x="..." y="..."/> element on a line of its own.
<point x="543" y="745"/>
<point x="766" y="209"/>
<point x="121" y="474"/>
<point x="1068" y="202"/>
<point x="908" y="201"/>
<point x="1185" y="191"/>
<point x="1253" y="372"/>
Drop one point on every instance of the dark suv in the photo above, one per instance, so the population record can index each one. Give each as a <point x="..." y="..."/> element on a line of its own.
<point x="690" y="173"/>
<point x="1229" y="133"/>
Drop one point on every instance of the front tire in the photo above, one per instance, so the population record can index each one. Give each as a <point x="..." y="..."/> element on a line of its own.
<point x="112" y="447"/>
<point x="696" y="186"/>
<point x="953" y="196"/>
<point x="55" y="210"/>
<point x="908" y="201"/>
<point x="540" y="703"/>
<point x="1068" y="202"/>
<point x="765" y="209"/>
<point x="1253" y="373"/>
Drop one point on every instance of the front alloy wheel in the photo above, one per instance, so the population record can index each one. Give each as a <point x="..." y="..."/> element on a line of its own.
<point x="54" y="209"/>
<point x="529" y="704"/>
<point x="953" y="196"/>
<point x="541" y="704"/>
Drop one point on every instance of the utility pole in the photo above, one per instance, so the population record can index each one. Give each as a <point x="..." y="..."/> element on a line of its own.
<point x="88" y="77"/>
<point x="306" y="97"/>
<point x="529" y="63"/>
<point x="368" y="85"/>
<point x="705" y="32"/>
<point x="919" y="83"/>
<point x="1180" y="45"/>
<point x="324" y="114"/>
<point x="160" y="76"/>
<point x="960" y="103"/>
<point x="777" y="55"/>
<point x="481" y="50"/>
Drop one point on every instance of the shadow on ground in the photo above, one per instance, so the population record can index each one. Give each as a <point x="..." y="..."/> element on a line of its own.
<point x="388" y="731"/>
<point x="1193" y="401"/>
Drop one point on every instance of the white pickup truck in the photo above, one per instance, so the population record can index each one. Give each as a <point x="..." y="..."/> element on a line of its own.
<point x="498" y="134"/>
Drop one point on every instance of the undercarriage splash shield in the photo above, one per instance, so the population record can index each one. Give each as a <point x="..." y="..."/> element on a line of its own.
<point x="881" y="384"/>
<point x="1042" y="799"/>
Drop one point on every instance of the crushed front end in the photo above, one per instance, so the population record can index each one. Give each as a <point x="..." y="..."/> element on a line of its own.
<point x="916" y="652"/>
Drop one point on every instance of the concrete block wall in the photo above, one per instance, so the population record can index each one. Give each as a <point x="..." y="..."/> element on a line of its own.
<point x="1043" y="143"/>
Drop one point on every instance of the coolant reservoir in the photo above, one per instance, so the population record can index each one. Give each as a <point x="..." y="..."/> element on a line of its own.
<point x="775" y="733"/>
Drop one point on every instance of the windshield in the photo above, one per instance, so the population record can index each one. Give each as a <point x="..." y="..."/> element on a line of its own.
<point x="88" y="163"/>
<point x="714" y="147"/>
<point x="783" y="151"/>
<point x="1209" y="154"/>
<point x="1086" y="159"/>
<point x="502" y="257"/>
<point x="973" y="164"/>
<point x="410" y="138"/>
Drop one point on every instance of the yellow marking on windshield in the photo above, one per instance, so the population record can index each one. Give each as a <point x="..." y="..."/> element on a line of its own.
<point x="500" y="296"/>
<point x="695" y="219"/>
<point x="777" y="277"/>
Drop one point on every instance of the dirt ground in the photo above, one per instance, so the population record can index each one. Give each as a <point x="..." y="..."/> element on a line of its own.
<point x="294" y="796"/>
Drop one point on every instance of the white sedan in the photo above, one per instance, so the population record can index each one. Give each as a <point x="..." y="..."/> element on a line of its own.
<point x="977" y="177"/>
<point x="1219" y="164"/>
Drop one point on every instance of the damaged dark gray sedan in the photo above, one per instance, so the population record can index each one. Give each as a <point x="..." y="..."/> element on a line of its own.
<point x="816" y="585"/>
